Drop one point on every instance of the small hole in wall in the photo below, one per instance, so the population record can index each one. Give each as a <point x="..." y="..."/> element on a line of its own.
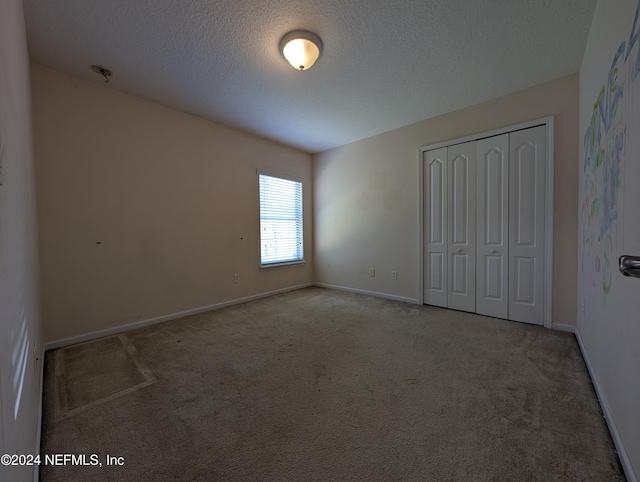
<point x="98" y="242"/>
<point x="105" y="72"/>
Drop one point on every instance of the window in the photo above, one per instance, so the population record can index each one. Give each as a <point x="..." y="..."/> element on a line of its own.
<point x="280" y="220"/>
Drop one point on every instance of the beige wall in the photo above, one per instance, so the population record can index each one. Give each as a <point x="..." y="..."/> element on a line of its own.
<point x="366" y="195"/>
<point x="146" y="211"/>
<point x="20" y="326"/>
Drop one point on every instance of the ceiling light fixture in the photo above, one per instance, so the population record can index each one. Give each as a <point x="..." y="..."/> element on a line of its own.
<point x="301" y="49"/>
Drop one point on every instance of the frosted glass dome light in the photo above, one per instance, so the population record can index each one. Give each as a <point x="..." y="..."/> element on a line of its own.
<point x="301" y="49"/>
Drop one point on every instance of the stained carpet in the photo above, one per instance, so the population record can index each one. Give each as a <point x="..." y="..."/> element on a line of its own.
<point x="320" y="384"/>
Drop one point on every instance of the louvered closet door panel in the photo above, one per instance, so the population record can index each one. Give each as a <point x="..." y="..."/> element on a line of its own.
<point x="462" y="226"/>
<point x="492" y="210"/>
<point x="527" y="165"/>
<point x="435" y="209"/>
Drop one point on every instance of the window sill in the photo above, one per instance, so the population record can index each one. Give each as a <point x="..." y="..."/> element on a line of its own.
<point x="267" y="267"/>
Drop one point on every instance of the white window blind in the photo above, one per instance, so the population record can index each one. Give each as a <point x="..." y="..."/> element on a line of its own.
<point x="280" y="220"/>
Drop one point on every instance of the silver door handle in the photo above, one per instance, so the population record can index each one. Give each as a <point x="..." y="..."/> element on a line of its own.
<point x="630" y="265"/>
<point x="493" y="251"/>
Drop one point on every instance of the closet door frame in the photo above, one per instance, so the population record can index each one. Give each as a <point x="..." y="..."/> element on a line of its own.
<point x="548" y="251"/>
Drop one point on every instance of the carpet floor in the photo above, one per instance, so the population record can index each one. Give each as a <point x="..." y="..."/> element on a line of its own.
<point x="320" y="384"/>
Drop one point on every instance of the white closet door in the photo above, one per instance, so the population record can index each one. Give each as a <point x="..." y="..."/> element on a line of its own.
<point x="435" y="261"/>
<point x="492" y="210"/>
<point x="527" y="164"/>
<point x="461" y="202"/>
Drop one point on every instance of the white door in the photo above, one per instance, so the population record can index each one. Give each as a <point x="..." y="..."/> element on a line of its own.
<point x="435" y="227"/>
<point x="492" y="269"/>
<point x="461" y="200"/>
<point x="527" y="178"/>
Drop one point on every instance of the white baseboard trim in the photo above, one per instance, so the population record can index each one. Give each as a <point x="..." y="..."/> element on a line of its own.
<point x="563" y="327"/>
<point x="36" y="450"/>
<point x="52" y="345"/>
<point x="608" y="416"/>
<point x="369" y="293"/>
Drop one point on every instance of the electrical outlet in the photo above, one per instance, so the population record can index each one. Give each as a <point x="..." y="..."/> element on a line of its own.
<point x="236" y="278"/>
<point x="394" y="275"/>
<point x="372" y="272"/>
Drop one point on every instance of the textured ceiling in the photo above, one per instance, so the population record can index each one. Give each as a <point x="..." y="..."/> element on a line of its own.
<point x="384" y="64"/>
